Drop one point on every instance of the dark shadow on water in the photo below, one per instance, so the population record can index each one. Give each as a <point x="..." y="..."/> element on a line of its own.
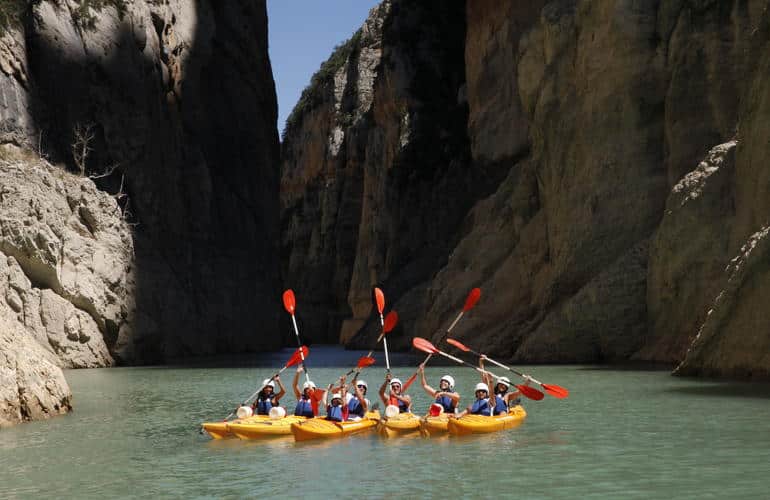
<point x="726" y="389"/>
<point x="631" y="366"/>
<point x="321" y="356"/>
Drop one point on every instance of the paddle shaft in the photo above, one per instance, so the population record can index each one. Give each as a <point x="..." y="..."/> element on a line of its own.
<point x="448" y="330"/>
<point x="504" y="366"/>
<point x="385" y="343"/>
<point x="299" y="343"/>
<point x="253" y="395"/>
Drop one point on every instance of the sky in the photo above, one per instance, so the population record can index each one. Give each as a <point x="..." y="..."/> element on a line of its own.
<point x="302" y="35"/>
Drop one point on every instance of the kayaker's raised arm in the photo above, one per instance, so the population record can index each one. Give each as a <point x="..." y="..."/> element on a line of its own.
<point x="295" y="383"/>
<point x="281" y="392"/>
<point x="384" y="399"/>
<point x="430" y="390"/>
<point x="485" y="377"/>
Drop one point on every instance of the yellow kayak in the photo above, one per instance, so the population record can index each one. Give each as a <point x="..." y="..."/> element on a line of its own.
<point x="436" y="425"/>
<point x="258" y="429"/>
<point x="320" y="428"/>
<point x="477" y="424"/>
<point x="403" y="423"/>
<point x="220" y="430"/>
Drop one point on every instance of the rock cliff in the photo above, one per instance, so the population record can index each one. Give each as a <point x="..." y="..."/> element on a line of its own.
<point x="624" y="145"/>
<point x="170" y="108"/>
<point x="172" y="105"/>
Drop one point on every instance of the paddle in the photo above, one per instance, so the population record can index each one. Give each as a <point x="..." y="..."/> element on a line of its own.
<point x="390" y="323"/>
<point x="290" y="304"/>
<point x="553" y="390"/>
<point x="470" y="301"/>
<point x="299" y="355"/>
<point x="380" y="299"/>
<point x="426" y="346"/>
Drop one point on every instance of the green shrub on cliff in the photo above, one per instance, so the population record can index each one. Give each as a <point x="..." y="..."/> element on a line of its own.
<point x="314" y="92"/>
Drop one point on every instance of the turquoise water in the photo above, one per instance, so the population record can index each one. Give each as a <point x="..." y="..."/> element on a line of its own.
<point x="620" y="434"/>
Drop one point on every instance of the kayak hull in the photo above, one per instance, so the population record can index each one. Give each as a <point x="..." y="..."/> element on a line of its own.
<point x="436" y="425"/>
<point x="479" y="424"/>
<point x="265" y="428"/>
<point x="320" y="428"/>
<point x="221" y="430"/>
<point x="401" y="424"/>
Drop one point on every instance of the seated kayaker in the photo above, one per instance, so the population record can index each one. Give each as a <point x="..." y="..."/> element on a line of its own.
<point x="446" y="395"/>
<point x="266" y="398"/>
<point x="337" y="409"/>
<point x="395" y="398"/>
<point x="503" y="399"/>
<point x="481" y="406"/>
<point x="307" y="403"/>
<point x="358" y="405"/>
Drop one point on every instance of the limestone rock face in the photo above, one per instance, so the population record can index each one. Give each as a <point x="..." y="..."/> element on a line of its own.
<point x="689" y="254"/>
<point x="178" y="103"/>
<point x="66" y="261"/>
<point x="32" y="386"/>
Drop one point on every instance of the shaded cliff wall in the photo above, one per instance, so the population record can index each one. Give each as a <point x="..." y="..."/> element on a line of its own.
<point x="180" y="102"/>
<point x="375" y="175"/>
<point x="626" y="143"/>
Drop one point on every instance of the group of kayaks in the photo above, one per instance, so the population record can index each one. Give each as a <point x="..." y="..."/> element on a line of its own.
<point x="402" y="424"/>
<point x="397" y="421"/>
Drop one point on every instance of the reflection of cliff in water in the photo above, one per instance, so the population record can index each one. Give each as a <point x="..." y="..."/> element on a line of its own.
<point x="182" y="100"/>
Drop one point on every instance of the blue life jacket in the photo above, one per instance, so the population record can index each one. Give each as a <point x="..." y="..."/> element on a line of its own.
<point x="480" y="407"/>
<point x="304" y="408"/>
<point x="403" y="407"/>
<point x="334" y="413"/>
<point x="355" y="408"/>
<point x="500" y="405"/>
<point x="447" y="403"/>
<point x="264" y="406"/>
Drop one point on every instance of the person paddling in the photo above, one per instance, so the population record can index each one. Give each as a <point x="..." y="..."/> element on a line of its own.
<point x="266" y="398"/>
<point x="307" y="403"/>
<point x="396" y="398"/>
<point x="446" y="395"/>
<point x="337" y="409"/>
<point x="482" y="405"/>
<point x="358" y="405"/>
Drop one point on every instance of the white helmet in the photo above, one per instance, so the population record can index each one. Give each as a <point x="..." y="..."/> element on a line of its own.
<point x="336" y="395"/>
<point x="269" y="382"/>
<point x="505" y="381"/>
<point x="362" y="382"/>
<point x="308" y="385"/>
<point x="391" y="411"/>
<point x="449" y="380"/>
<point x="277" y="412"/>
<point x="396" y="381"/>
<point x="481" y="386"/>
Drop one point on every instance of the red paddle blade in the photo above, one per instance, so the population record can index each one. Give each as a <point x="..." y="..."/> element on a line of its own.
<point x="556" y="391"/>
<point x="365" y="361"/>
<point x="423" y="345"/>
<point x="473" y="297"/>
<point x="380" y="297"/>
<point x="530" y="392"/>
<point x="409" y="382"/>
<point x="390" y="321"/>
<point x="289" y="302"/>
<point x="296" y="357"/>
<point x="458" y="345"/>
